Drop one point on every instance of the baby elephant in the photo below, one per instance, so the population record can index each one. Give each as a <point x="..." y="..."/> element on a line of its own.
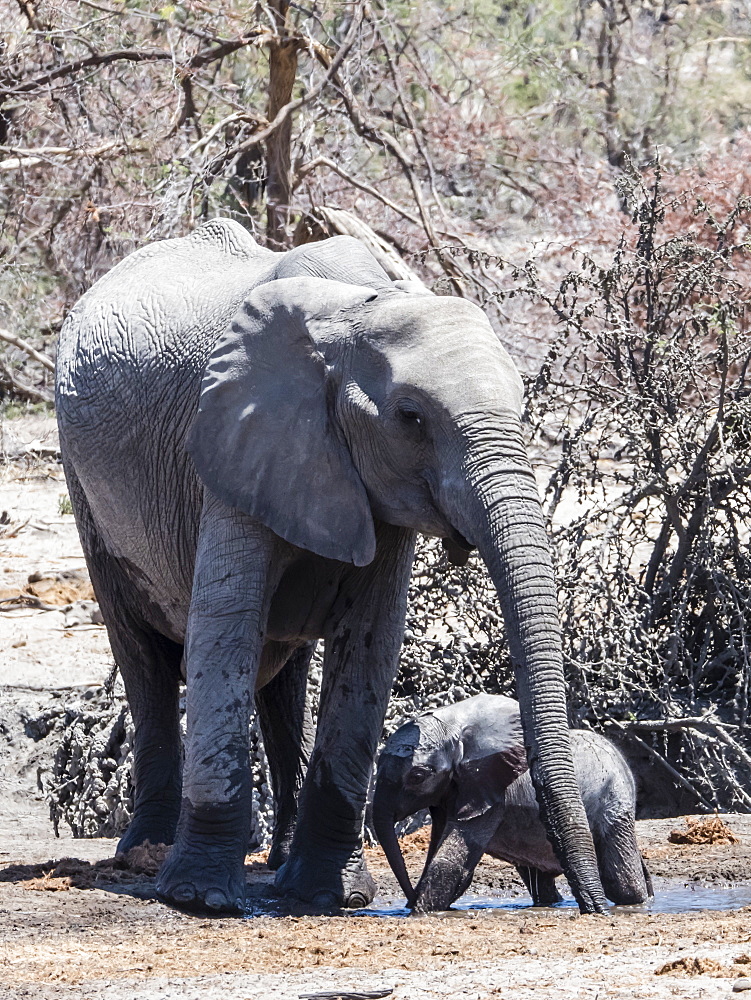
<point x="467" y="764"/>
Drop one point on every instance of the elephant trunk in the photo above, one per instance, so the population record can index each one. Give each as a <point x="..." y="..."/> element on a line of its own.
<point x="384" y="823"/>
<point x="492" y="500"/>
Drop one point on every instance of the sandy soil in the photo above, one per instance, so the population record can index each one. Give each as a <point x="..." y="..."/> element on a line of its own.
<point x="91" y="928"/>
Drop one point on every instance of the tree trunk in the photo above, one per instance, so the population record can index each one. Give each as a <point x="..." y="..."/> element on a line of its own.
<point x="282" y="75"/>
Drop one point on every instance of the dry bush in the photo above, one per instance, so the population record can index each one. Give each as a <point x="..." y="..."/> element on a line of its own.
<point x="646" y="392"/>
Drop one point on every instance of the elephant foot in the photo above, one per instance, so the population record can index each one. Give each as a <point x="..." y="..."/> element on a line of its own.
<point x="279" y="853"/>
<point x="327" y="882"/>
<point x="205" y="872"/>
<point x="154" y="826"/>
<point x="201" y="883"/>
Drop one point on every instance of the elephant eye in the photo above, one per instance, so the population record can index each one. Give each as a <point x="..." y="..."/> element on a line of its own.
<point x="408" y="414"/>
<point x="420" y="773"/>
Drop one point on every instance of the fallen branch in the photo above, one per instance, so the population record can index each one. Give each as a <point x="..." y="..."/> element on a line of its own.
<point x="347" y="995"/>
<point x="11" y="383"/>
<point x="28" y="601"/>
<point x="25" y="346"/>
<point x="345" y="223"/>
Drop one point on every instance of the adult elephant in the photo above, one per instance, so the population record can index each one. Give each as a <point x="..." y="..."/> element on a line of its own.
<point x="252" y="441"/>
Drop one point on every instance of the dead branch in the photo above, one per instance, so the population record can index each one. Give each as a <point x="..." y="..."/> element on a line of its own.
<point x="69" y="68"/>
<point x="667" y="725"/>
<point x="216" y="164"/>
<point x="25" y="346"/>
<point x="346" y="224"/>
<point x="11" y="383"/>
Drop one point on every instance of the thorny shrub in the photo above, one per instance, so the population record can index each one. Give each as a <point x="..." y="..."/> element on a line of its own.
<point x="646" y="393"/>
<point x="643" y="405"/>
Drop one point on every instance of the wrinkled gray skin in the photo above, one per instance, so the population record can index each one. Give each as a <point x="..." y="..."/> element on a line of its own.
<point x="252" y="441"/>
<point x="466" y="763"/>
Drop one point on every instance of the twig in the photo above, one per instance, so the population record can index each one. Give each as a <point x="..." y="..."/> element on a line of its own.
<point x="324" y="161"/>
<point x="24" y="345"/>
<point x="9" y="380"/>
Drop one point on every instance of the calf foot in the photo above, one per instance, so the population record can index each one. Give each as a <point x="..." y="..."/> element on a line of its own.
<point x="327" y="880"/>
<point x="278" y="854"/>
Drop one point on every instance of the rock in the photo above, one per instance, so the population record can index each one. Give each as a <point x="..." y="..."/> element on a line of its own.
<point x="82" y="613"/>
<point x="741" y="984"/>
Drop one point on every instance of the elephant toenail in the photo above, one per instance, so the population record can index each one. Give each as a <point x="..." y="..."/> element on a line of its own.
<point x="184" y="893"/>
<point x="240" y="903"/>
<point x="356" y="901"/>
<point x="326" y="900"/>
<point x="215" y="900"/>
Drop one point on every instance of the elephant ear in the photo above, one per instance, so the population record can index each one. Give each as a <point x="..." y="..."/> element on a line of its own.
<point x="482" y="782"/>
<point x="264" y="439"/>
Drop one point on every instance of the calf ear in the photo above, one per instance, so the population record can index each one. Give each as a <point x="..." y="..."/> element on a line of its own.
<point x="482" y="782"/>
<point x="265" y="438"/>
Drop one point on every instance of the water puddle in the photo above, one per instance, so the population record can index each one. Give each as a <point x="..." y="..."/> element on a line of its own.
<point x="668" y="899"/>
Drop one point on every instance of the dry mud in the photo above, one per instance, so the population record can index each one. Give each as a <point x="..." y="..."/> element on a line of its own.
<point x="91" y="928"/>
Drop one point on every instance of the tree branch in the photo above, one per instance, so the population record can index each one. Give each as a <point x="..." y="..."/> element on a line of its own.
<point x="25" y="346"/>
<point x="11" y="383"/>
<point x="216" y="164"/>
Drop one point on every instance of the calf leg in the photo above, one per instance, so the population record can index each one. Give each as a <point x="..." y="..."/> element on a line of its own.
<point x="541" y="886"/>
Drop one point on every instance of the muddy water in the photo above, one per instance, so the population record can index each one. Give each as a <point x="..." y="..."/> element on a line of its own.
<point x="669" y="898"/>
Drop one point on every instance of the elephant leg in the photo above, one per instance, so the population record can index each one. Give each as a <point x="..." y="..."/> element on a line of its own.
<point x="326" y="865"/>
<point x="624" y="875"/>
<point x="541" y="886"/>
<point x="149" y="664"/>
<point x="225" y="637"/>
<point x="288" y="735"/>
<point x="453" y="862"/>
<point x="150" y="667"/>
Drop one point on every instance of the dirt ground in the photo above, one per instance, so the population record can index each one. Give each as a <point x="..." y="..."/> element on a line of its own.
<point x="90" y="927"/>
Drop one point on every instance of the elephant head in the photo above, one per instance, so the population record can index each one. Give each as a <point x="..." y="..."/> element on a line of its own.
<point x="406" y="409"/>
<point x="457" y="770"/>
